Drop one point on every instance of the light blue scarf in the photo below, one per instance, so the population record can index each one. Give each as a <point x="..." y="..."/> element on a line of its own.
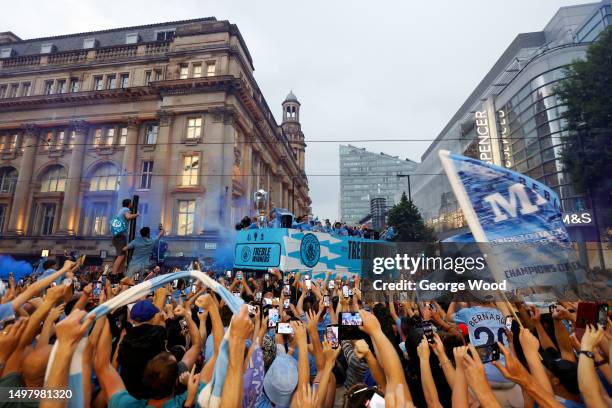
<point x="210" y="396"/>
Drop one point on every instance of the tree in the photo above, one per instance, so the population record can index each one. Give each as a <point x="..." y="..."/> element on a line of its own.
<point x="408" y="224"/>
<point x="587" y="152"/>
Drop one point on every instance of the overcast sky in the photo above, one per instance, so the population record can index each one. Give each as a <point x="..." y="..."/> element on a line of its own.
<point x="361" y="69"/>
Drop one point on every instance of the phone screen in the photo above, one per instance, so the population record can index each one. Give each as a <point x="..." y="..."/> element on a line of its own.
<point x="345" y="291"/>
<point x="273" y="317"/>
<point x="284" y="328"/>
<point x="287" y="289"/>
<point x="428" y="331"/>
<point x="602" y="315"/>
<point x="308" y="284"/>
<point x="509" y="322"/>
<point x="351" y="319"/>
<point x="252" y="310"/>
<point x="326" y="301"/>
<point x="286" y="303"/>
<point x="175" y="283"/>
<point x="168" y="300"/>
<point x="331" y="335"/>
<point x="239" y="275"/>
<point x="228" y="274"/>
<point x="488" y="352"/>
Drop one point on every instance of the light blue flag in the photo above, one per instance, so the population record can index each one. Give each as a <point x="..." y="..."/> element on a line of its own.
<point x="212" y="391"/>
<point x="517" y="220"/>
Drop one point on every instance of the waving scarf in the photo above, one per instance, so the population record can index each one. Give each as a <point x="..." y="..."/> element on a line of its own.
<point x="211" y="395"/>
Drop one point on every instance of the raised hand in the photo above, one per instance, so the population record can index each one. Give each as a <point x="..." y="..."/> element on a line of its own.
<point x="529" y="342"/>
<point x="370" y="322"/>
<point x="423" y="349"/>
<point x="70" y="330"/>
<point x="514" y="370"/>
<point x="591" y="338"/>
<point x="361" y="348"/>
<point x="241" y="326"/>
<point x="299" y="332"/>
<point x="330" y="353"/>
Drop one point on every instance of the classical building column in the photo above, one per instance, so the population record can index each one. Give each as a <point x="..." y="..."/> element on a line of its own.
<point x="19" y="208"/>
<point x="71" y="204"/>
<point x="161" y="168"/>
<point x="128" y="179"/>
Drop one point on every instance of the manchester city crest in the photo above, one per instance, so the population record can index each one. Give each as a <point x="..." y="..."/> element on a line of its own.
<point x="246" y="254"/>
<point x="310" y="250"/>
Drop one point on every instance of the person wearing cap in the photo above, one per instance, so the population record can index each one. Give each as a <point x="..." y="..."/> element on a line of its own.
<point x="143" y="341"/>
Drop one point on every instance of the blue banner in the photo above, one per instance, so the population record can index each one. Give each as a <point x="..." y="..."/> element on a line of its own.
<point x="518" y="218"/>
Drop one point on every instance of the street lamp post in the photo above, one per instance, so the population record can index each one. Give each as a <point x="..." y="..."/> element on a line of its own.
<point x="408" y="177"/>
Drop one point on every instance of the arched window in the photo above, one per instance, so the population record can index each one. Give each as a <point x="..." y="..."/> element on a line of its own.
<point x="8" y="179"/>
<point x="53" y="180"/>
<point x="105" y="178"/>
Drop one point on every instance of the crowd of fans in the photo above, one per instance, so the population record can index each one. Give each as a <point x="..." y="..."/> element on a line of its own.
<point x="306" y="223"/>
<point x="296" y="342"/>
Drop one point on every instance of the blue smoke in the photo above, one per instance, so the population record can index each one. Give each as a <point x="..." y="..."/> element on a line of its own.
<point x="8" y="264"/>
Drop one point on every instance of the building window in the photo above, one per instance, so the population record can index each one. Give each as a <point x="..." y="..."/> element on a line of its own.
<point x="54" y="180"/>
<point x="184" y="72"/>
<point x="2" y="91"/>
<point x="72" y="141"/>
<point x="97" y="137"/>
<point x="164" y="35"/>
<point x="111" y="82"/>
<point x="151" y="134"/>
<point x="104" y="178"/>
<point x="132" y="38"/>
<point x="25" y="89"/>
<point x="194" y="128"/>
<point x="158" y="75"/>
<point x="3" y="211"/>
<point x="74" y="85"/>
<point x="146" y="175"/>
<point x="13" y="91"/>
<point x="99" y="218"/>
<point x="123" y="136"/>
<point x="147" y="77"/>
<point x="98" y="83"/>
<point x="61" y="86"/>
<point x="210" y="69"/>
<point x="8" y="179"/>
<point x="125" y="79"/>
<point x="48" y="88"/>
<point x="44" y="218"/>
<point x="191" y="164"/>
<point x="110" y="136"/>
<point x="89" y="43"/>
<point x="58" y="141"/>
<point x="143" y="219"/>
<point x="186" y="215"/>
<point x="8" y="143"/>
<point x="197" y="70"/>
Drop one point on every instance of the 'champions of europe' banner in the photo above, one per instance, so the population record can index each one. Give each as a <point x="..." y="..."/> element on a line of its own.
<point x="518" y="221"/>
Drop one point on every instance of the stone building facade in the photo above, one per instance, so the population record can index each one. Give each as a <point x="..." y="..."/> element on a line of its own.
<point x="170" y="112"/>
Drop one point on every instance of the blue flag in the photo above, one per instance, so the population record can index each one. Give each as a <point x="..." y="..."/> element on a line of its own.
<point x="518" y="221"/>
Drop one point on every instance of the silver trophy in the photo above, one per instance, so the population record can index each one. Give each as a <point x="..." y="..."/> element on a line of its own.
<point x="260" y="198"/>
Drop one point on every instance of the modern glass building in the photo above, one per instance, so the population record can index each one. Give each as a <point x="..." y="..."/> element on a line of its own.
<point x="514" y="119"/>
<point x="365" y="175"/>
